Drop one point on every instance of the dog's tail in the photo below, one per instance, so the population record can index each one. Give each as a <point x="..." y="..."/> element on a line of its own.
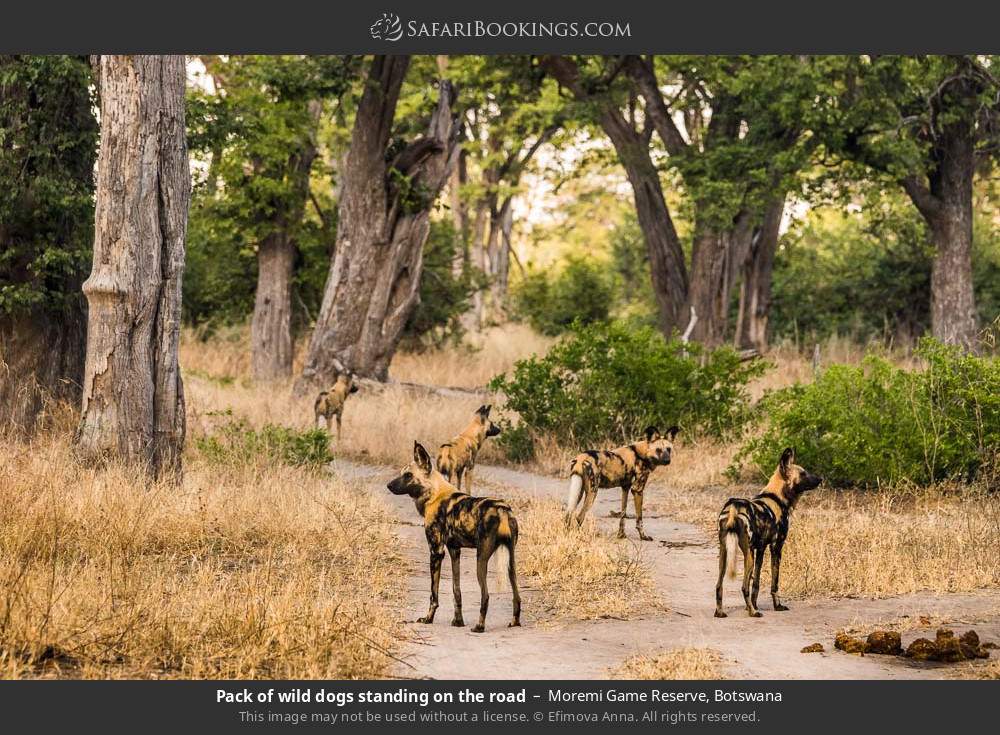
<point x="729" y="522"/>
<point x="575" y="492"/>
<point x="506" y="541"/>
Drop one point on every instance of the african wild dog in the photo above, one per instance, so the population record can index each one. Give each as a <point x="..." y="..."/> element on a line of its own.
<point x="454" y="520"/>
<point x="626" y="467"/>
<point x="458" y="457"/>
<point x="757" y="524"/>
<point x="330" y="403"/>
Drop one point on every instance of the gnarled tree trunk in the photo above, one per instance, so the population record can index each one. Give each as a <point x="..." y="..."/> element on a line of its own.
<point x="133" y="400"/>
<point x="374" y="279"/>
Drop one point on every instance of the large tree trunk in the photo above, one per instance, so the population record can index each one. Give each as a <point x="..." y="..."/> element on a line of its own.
<point x="947" y="208"/>
<point x="715" y="258"/>
<point x="374" y="279"/>
<point x="271" y="348"/>
<point x="666" y="256"/>
<point x="755" y="289"/>
<point x="133" y="400"/>
<point x="271" y="326"/>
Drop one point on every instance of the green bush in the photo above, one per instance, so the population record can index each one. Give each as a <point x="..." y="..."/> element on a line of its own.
<point x="582" y="291"/>
<point x="606" y="382"/>
<point x="237" y="443"/>
<point x="879" y="424"/>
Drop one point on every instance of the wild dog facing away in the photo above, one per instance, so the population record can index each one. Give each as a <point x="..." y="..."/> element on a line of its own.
<point x="626" y="467"/>
<point x="330" y="403"/>
<point x="454" y="520"/>
<point x="757" y="524"/>
<point x="458" y="456"/>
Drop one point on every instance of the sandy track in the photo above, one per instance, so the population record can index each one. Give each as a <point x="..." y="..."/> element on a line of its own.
<point x="684" y="563"/>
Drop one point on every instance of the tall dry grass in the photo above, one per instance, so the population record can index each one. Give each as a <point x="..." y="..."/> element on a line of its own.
<point x="673" y="664"/>
<point x="244" y="571"/>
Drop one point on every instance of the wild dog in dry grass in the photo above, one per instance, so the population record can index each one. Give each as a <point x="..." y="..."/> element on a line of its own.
<point x="330" y="403"/>
<point x="458" y="457"/>
<point x="626" y="467"/>
<point x="454" y="521"/>
<point x="757" y="524"/>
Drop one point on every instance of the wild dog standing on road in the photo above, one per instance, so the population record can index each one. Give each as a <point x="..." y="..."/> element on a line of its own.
<point x="757" y="524"/>
<point x="458" y="457"/>
<point x="454" y="520"/>
<point x="330" y="403"/>
<point x="626" y="467"/>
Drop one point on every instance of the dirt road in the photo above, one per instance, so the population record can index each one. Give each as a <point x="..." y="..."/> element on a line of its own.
<point x="684" y="563"/>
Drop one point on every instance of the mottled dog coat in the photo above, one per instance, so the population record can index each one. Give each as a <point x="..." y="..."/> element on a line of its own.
<point x="626" y="467"/>
<point x="457" y="458"/>
<point x="454" y="520"/>
<point x="759" y="524"/>
<point x="330" y="403"/>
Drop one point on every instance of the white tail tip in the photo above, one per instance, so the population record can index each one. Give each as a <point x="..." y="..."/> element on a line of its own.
<point x="731" y="544"/>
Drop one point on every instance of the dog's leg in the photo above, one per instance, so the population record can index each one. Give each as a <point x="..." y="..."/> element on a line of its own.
<point x="456" y="585"/>
<point x="621" y="513"/>
<point x="340" y="417"/>
<point x="590" y="494"/>
<point x="637" y="499"/>
<point x="758" y="562"/>
<point x="747" y="570"/>
<point x="723" y="558"/>
<point x="775" y="571"/>
<point x="483" y="554"/>
<point x="512" y="575"/>
<point x="459" y="471"/>
<point x="468" y="480"/>
<point x="436" y="557"/>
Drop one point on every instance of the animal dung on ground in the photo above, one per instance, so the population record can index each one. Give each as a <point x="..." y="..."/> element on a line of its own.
<point x="886" y="642"/>
<point x="849" y="644"/>
<point x="945" y="647"/>
<point x="814" y="648"/>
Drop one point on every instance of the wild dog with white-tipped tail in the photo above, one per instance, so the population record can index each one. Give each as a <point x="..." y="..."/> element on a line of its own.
<point x="626" y="467"/>
<point x="759" y="524"/>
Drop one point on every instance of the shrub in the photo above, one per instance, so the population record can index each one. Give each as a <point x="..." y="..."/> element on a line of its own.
<point x="876" y="423"/>
<point x="239" y="443"/>
<point x="607" y="382"/>
<point x="581" y="292"/>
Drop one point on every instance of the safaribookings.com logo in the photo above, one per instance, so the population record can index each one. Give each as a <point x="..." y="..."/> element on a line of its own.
<point x="390" y="28"/>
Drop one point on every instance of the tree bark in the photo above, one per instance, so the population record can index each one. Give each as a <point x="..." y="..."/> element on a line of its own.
<point x="374" y="278"/>
<point x="946" y="206"/>
<point x="755" y="289"/>
<point x="271" y="348"/>
<point x="133" y="400"/>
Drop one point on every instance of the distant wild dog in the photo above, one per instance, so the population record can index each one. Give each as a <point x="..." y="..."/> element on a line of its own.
<point x="330" y="403"/>
<point x="757" y="524"/>
<point x="454" y="520"/>
<point x="458" y="457"/>
<point x="626" y="467"/>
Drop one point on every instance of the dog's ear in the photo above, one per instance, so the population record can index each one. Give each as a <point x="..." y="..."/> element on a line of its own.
<point x="421" y="457"/>
<point x="673" y="431"/>
<point x="484" y="410"/>
<point x="651" y="433"/>
<point x="787" y="460"/>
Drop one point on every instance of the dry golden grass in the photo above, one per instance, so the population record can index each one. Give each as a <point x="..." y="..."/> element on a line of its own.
<point x="673" y="664"/>
<point x="472" y="365"/>
<point x="238" y="572"/>
<point x="975" y="670"/>
<point x="580" y="574"/>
